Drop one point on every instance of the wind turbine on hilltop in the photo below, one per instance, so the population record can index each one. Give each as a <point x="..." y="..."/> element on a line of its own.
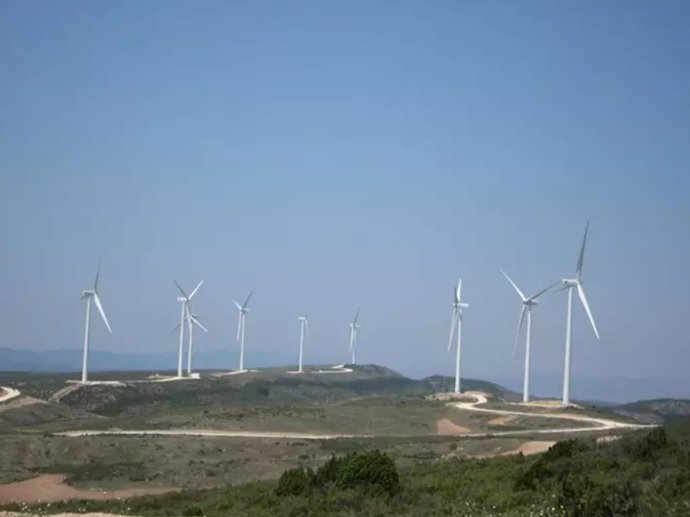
<point x="354" y="330"/>
<point x="243" y="310"/>
<point x="186" y="315"/>
<point x="303" y="334"/>
<point x="88" y="295"/>
<point x="527" y="305"/>
<point x="456" y="323"/>
<point x="569" y="284"/>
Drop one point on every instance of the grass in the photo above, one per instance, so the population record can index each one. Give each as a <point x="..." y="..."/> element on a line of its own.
<point x="644" y="474"/>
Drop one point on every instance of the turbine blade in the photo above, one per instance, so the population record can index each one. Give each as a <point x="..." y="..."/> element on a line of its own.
<point x="519" y="328"/>
<point x="581" y="259"/>
<point x="197" y="323"/>
<point x="535" y="296"/>
<point x="98" y="274"/>
<point x="239" y="307"/>
<point x="97" y="301"/>
<point x="583" y="299"/>
<point x="191" y="295"/>
<point x="246" y="302"/>
<point x="177" y="327"/>
<point x="354" y="322"/>
<point x="458" y="291"/>
<point x="517" y="289"/>
<point x="181" y="290"/>
<point x="453" y="324"/>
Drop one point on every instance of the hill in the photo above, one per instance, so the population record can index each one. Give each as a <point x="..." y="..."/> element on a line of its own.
<point x="641" y="474"/>
<point x="655" y="411"/>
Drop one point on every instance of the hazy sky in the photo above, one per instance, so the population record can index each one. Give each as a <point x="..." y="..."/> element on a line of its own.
<point x="335" y="154"/>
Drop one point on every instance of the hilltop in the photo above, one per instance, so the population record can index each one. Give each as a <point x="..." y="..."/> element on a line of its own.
<point x="655" y="411"/>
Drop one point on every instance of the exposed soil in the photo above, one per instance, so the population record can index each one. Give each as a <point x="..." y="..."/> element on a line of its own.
<point x="446" y="426"/>
<point x="526" y="448"/>
<point x="52" y="488"/>
<point x="15" y="514"/>
<point x="501" y="420"/>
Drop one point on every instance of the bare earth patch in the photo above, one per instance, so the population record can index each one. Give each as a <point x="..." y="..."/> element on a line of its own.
<point x="446" y="426"/>
<point x="15" y="514"/>
<point x="501" y="420"/>
<point x="526" y="448"/>
<point x="51" y="488"/>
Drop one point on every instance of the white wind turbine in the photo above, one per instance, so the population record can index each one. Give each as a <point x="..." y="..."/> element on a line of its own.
<point x="456" y="323"/>
<point x="570" y="284"/>
<point x="354" y="330"/>
<point x="243" y="310"/>
<point x="527" y="305"/>
<point x="88" y="295"/>
<point x="303" y="334"/>
<point x="186" y="315"/>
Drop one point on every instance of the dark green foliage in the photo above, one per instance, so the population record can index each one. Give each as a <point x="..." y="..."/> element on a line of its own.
<point x="372" y="472"/>
<point x="193" y="510"/>
<point x="554" y="463"/>
<point x="297" y="481"/>
<point x="651" y="445"/>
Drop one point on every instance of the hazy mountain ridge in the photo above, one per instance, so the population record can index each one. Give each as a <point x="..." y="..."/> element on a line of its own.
<point x="655" y="411"/>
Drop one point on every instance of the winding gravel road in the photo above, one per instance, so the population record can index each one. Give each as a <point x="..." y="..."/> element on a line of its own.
<point x="596" y="424"/>
<point x="8" y="394"/>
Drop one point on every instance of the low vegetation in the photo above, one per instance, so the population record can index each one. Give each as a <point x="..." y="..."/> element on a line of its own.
<point x="640" y="474"/>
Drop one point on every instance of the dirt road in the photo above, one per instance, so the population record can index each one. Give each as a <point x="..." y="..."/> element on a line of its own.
<point x="8" y="394"/>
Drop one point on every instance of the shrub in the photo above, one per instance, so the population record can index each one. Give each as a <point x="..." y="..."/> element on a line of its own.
<point x="650" y="445"/>
<point x="297" y="481"/>
<point x="193" y="510"/>
<point x="373" y="470"/>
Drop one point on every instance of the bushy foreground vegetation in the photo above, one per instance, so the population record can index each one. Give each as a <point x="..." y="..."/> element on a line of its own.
<point x="642" y="474"/>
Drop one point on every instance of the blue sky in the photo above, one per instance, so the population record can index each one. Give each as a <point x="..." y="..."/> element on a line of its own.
<point x="335" y="154"/>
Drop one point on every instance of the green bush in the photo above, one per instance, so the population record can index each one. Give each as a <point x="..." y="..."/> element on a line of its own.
<point x="373" y="470"/>
<point x="193" y="510"/>
<point x="297" y="481"/>
<point x="651" y="445"/>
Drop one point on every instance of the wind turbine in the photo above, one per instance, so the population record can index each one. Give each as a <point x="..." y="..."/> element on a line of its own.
<point x="88" y="295"/>
<point x="185" y="301"/>
<point x="456" y="322"/>
<point x="354" y="330"/>
<point x="243" y="310"/>
<point x="570" y="284"/>
<point x="527" y="305"/>
<point x="303" y="333"/>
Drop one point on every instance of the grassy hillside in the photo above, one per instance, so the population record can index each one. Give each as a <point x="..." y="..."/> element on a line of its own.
<point x="641" y="474"/>
<point x="655" y="411"/>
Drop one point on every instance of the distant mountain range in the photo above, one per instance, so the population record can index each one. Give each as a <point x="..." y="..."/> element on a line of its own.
<point x="69" y="360"/>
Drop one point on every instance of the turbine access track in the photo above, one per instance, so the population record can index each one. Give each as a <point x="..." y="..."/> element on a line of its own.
<point x="596" y="425"/>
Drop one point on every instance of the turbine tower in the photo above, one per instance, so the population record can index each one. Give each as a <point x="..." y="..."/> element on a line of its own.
<point x="527" y="305"/>
<point x="88" y="295"/>
<point x="354" y="330"/>
<point x="191" y="321"/>
<point x="185" y="301"/>
<point x="303" y="333"/>
<point x="243" y="310"/>
<point x="456" y="323"/>
<point x="569" y="284"/>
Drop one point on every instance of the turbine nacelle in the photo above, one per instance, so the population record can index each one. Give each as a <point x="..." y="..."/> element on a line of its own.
<point x="570" y="282"/>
